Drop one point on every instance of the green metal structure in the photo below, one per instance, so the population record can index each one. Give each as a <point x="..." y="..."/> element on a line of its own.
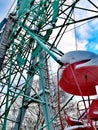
<point x="35" y="36"/>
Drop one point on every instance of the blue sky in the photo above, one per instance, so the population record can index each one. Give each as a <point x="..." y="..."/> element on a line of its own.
<point x="93" y="39"/>
<point x="4" y="7"/>
<point x="89" y="35"/>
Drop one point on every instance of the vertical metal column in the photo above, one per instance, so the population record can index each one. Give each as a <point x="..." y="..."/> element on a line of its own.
<point x="45" y="106"/>
<point x="22" y="111"/>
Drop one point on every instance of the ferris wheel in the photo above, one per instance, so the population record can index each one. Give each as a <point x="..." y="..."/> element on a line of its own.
<point x="32" y="34"/>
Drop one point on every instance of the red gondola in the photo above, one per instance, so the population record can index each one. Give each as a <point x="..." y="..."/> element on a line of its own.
<point x="79" y="76"/>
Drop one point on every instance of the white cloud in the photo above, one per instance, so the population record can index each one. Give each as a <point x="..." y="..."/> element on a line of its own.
<point x="69" y="41"/>
<point x="84" y="31"/>
<point x="96" y="47"/>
